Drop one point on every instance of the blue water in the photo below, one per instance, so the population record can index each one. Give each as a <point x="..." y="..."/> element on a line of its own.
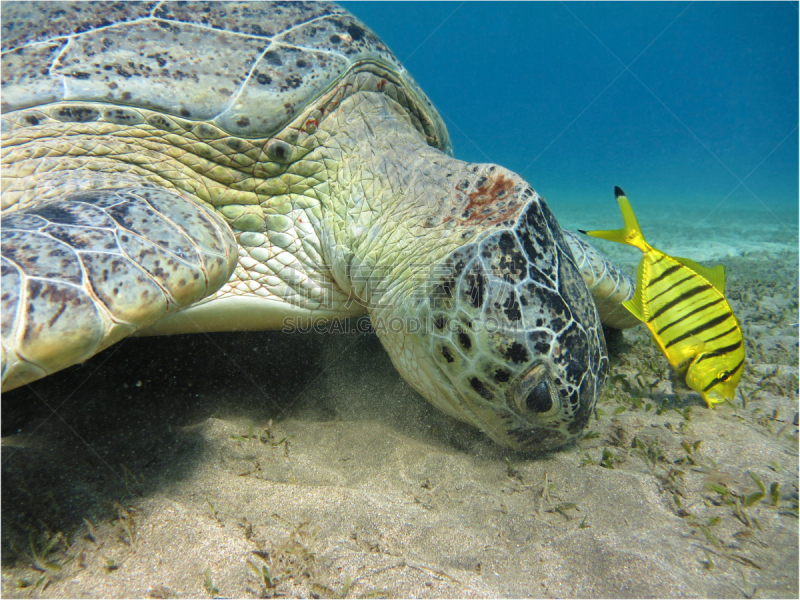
<point x="692" y="108"/>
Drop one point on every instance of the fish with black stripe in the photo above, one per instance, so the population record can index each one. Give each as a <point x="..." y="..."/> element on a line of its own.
<point x="684" y="307"/>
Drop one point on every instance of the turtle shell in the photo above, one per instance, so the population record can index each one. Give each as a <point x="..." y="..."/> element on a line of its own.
<point x="247" y="67"/>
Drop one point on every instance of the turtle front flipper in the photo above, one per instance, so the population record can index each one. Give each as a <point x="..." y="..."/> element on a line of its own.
<point x="83" y="271"/>
<point x="609" y="286"/>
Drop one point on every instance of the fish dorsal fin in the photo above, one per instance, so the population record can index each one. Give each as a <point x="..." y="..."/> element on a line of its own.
<point x="714" y="275"/>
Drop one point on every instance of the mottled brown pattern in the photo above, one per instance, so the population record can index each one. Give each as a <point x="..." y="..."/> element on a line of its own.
<point x="490" y="192"/>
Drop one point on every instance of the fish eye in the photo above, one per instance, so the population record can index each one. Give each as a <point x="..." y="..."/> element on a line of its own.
<point x="724" y="376"/>
<point x="539" y="399"/>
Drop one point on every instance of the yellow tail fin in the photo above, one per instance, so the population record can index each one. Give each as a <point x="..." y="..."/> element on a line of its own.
<point x="630" y="234"/>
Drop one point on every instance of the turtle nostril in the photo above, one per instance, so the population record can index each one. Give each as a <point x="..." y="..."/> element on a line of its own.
<point x="539" y="400"/>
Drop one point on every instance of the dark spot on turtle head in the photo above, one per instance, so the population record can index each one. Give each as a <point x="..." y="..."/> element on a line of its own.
<point x="243" y="122"/>
<point x="356" y="32"/>
<point x="301" y="64"/>
<point x="476" y="286"/>
<point x="517" y="353"/>
<point x="477" y="385"/>
<point x="31" y="120"/>
<point x="506" y="243"/>
<point x="540" y="340"/>
<point x="263" y="79"/>
<point x="126" y="96"/>
<point x="511" y="309"/>
<point x="501" y="375"/>
<point x="185" y="112"/>
<point x="335" y="39"/>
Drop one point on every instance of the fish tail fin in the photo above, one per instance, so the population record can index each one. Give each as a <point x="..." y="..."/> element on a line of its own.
<point x="630" y="234"/>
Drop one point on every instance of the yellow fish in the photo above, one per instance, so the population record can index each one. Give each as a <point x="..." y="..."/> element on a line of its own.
<point x="683" y="306"/>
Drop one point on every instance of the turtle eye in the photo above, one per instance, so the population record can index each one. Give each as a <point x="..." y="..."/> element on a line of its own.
<point x="724" y="376"/>
<point x="539" y="399"/>
<point x="535" y="396"/>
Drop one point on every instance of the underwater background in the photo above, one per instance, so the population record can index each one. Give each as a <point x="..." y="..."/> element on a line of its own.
<point x="691" y="108"/>
<point x="258" y="464"/>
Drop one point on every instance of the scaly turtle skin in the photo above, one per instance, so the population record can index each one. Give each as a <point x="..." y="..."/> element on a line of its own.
<point x="169" y="168"/>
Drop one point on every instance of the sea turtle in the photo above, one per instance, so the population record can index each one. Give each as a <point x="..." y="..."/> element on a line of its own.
<point x="176" y="167"/>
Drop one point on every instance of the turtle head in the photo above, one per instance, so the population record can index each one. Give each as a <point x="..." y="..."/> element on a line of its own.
<point x="472" y="289"/>
<point x="515" y="334"/>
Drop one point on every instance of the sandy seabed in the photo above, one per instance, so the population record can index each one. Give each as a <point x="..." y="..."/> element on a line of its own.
<point x="247" y="465"/>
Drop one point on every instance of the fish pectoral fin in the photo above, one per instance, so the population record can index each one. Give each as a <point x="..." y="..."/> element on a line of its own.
<point x="714" y="275"/>
<point x="634" y="307"/>
<point x="636" y="304"/>
<point x="682" y="353"/>
<point x="696" y="345"/>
